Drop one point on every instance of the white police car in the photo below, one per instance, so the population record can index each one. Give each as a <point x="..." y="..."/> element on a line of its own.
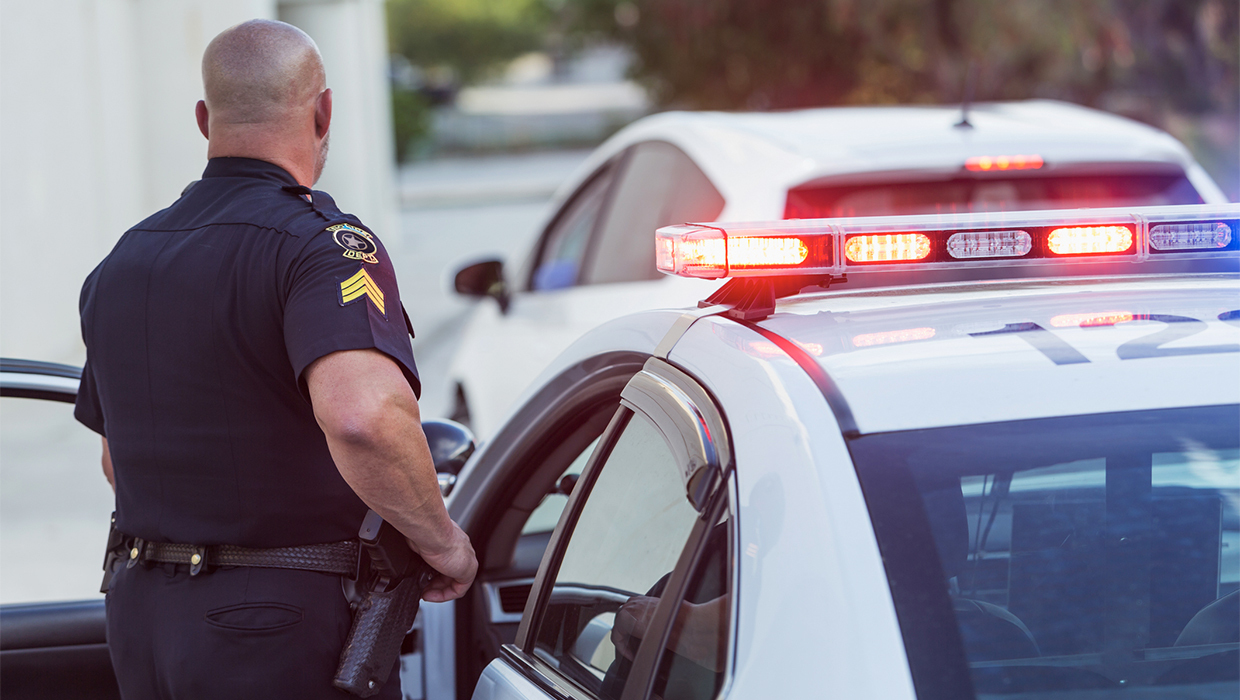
<point x="593" y="261"/>
<point x="1001" y="459"/>
<point x="1023" y="485"/>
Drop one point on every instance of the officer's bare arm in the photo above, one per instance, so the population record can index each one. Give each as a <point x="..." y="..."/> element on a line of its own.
<point x="373" y="426"/>
<point x="107" y="465"/>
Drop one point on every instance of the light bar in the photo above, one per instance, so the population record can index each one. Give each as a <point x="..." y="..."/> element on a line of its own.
<point x="1199" y="236"/>
<point x="1206" y="237"/>
<point x="990" y="163"/>
<point x="989" y="244"/>
<point x="887" y="247"/>
<point x="1089" y="240"/>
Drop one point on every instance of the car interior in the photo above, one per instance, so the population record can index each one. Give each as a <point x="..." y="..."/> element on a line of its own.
<point x="513" y="535"/>
<point x="1094" y="565"/>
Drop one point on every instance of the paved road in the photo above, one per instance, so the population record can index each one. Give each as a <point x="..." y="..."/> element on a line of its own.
<point x="54" y="503"/>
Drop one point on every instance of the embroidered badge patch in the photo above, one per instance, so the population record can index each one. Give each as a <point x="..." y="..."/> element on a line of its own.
<point x="357" y="244"/>
<point x="362" y="285"/>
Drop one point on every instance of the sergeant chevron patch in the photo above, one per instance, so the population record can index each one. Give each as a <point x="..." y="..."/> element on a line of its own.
<point x="362" y="285"/>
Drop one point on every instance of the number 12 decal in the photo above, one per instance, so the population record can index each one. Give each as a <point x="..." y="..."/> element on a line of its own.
<point x="1057" y="350"/>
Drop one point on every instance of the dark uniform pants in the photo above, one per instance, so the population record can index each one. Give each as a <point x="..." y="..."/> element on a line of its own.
<point x="233" y="633"/>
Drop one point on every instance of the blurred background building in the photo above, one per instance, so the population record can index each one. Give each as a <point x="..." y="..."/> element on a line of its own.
<point x="97" y="131"/>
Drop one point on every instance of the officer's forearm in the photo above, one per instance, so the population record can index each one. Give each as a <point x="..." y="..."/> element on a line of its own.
<point x="390" y="469"/>
<point x="106" y="460"/>
<point x="371" y="420"/>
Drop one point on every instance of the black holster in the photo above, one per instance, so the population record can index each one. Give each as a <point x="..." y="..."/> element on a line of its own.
<point x="393" y="578"/>
<point x="115" y="554"/>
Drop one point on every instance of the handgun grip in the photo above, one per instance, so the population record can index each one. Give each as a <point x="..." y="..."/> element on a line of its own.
<point x="373" y="646"/>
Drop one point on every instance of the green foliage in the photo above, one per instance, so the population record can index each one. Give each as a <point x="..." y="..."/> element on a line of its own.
<point x="756" y="54"/>
<point x="411" y="121"/>
<point x="468" y="36"/>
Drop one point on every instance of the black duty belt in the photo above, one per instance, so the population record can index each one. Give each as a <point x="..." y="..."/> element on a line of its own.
<point x="333" y="558"/>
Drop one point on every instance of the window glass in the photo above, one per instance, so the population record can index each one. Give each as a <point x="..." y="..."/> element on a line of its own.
<point x="547" y="514"/>
<point x="560" y="262"/>
<point x="696" y="655"/>
<point x="990" y="194"/>
<point x="623" y="548"/>
<point x="660" y="186"/>
<point x="1084" y="557"/>
<point x="54" y="504"/>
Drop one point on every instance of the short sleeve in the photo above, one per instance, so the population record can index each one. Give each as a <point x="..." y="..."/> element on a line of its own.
<point x="87" y="409"/>
<point x="342" y="295"/>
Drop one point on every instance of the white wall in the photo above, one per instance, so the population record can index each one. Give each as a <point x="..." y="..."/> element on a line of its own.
<point x="352" y="37"/>
<point x="97" y="131"/>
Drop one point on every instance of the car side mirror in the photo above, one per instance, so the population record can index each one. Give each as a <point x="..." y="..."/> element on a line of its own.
<point x="484" y="279"/>
<point x="451" y="445"/>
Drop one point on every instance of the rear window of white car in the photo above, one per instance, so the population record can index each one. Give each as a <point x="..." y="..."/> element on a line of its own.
<point x="1081" y="557"/>
<point x="990" y="193"/>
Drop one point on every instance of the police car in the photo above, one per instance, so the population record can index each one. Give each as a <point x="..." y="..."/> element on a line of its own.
<point x="1009" y="468"/>
<point x="592" y="260"/>
<point x="957" y="456"/>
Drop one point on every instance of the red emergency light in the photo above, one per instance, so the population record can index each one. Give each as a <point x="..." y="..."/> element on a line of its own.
<point x="999" y="163"/>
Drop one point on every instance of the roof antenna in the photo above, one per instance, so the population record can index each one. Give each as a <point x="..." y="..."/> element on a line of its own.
<point x="970" y="80"/>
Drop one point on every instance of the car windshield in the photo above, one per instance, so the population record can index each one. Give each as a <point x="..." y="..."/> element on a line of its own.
<point x="990" y="194"/>
<point x="1079" y="557"/>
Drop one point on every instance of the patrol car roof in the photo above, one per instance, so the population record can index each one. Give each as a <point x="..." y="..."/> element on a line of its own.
<point x="956" y="354"/>
<point x="753" y="158"/>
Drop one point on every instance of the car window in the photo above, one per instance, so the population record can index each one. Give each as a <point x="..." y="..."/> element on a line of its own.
<point x="626" y="541"/>
<point x="565" y="244"/>
<point x="660" y="186"/>
<point x="54" y="503"/>
<point x="1081" y="557"/>
<point x="693" y="663"/>
<point x="547" y="514"/>
<point x="990" y="194"/>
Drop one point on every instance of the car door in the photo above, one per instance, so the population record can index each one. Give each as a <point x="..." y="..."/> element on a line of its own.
<point x="633" y="597"/>
<point x="594" y="262"/>
<point x="55" y="524"/>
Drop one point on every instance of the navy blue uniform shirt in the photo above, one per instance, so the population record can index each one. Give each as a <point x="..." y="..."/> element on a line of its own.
<point x="199" y="326"/>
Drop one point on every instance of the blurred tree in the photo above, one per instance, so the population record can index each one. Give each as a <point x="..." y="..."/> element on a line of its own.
<point x="446" y="43"/>
<point x="757" y="54"/>
<point x="411" y="120"/>
<point x="467" y="37"/>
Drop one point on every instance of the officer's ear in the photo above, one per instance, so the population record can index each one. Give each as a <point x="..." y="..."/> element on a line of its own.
<point x="323" y="113"/>
<point x="200" y="112"/>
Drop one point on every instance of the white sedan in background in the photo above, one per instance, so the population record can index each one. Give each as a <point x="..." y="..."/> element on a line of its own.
<point x="594" y="261"/>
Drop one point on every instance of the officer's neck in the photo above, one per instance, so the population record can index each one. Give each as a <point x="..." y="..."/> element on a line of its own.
<point x="298" y="160"/>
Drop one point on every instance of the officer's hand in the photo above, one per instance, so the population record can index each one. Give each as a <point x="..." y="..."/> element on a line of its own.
<point x="632" y="619"/>
<point x="456" y="565"/>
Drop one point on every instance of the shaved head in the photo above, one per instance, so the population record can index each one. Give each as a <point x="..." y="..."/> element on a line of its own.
<point x="260" y="71"/>
<point x="266" y="97"/>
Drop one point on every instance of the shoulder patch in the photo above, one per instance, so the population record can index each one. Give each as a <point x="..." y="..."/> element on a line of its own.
<point x="357" y="244"/>
<point x="362" y="285"/>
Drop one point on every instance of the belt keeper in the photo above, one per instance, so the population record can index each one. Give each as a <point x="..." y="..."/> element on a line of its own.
<point x="197" y="560"/>
<point x="137" y="552"/>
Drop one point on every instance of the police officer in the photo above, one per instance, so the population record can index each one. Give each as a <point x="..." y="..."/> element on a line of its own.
<point x="249" y="366"/>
